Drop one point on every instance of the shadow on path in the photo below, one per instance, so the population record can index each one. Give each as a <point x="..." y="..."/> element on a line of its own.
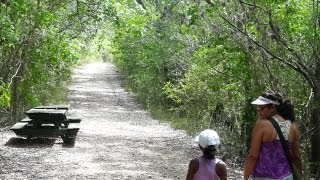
<point x="30" y="143"/>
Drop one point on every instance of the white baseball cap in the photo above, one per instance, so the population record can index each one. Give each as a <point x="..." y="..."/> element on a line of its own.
<point x="207" y="137"/>
<point x="263" y="101"/>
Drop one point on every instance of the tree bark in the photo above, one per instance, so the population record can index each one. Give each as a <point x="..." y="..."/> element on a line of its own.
<point x="315" y="136"/>
<point x="315" y="124"/>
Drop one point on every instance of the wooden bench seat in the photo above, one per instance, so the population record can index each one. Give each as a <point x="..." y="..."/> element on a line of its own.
<point x="74" y="120"/>
<point x="43" y="132"/>
<point x="53" y="107"/>
<point x="26" y="119"/>
<point x="46" y="131"/>
<point x="19" y="125"/>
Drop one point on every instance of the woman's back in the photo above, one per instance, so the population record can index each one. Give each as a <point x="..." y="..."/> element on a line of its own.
<point x="272" y="162"/>
<point x="269" y="133"/>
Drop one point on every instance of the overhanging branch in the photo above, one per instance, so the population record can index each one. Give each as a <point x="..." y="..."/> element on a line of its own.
<point x="283" y="42"/>
<point x="252" y="5"/>
<point x="294" y="65"/>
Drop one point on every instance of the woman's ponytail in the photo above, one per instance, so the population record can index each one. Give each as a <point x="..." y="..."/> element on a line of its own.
<point x="286" y="110"/>
<point x="285" y="107"/>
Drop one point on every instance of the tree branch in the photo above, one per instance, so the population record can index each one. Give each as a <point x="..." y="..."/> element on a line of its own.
<point x="282" y="41"/>
<point x="291" y="64"/>
<point x="15" y="75"/>
<point x="168" y="9"/>
<point x="252" y="5"/>
<point x="141" y="2"/>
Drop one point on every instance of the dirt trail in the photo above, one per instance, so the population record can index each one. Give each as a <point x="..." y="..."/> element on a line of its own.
<point x="118" y="140"/>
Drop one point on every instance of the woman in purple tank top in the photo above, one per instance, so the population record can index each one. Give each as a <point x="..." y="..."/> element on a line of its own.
<point x="207" y="166"/>
<point x="267" y="159"/>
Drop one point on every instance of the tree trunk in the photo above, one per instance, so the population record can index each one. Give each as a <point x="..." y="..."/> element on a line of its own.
<point x="315" y="124"/>
<point x="14" y="101"/>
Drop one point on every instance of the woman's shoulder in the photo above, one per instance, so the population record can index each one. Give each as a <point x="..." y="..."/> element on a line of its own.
<point x="294" y="132"/>
<point x="262" y="123"/>
<point x="293" y="125"/>
<point x="264" y="128"/>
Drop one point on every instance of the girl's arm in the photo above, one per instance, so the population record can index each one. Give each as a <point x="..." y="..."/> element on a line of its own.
<point x="193" y="168"/>
<point x="221" y="170"/>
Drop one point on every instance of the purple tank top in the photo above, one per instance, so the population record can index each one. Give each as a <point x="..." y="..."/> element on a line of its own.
<point x="207" y="169"/>
<point x="272" y="162"/>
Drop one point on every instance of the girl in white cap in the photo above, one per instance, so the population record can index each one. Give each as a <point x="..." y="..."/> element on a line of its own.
<point x="207" y="166"/>
<point x="267" y="158"/>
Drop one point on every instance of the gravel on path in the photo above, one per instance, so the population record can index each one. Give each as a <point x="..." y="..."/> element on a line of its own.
<point x="117" y="140"/>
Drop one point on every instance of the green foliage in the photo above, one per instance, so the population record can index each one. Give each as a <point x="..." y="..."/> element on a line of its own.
<point x="183" y="59"/>
<point x="4" y="95"/>
<point x="40" y="43"/>
<point x="205" y="79"/>
<point x="200" y="63"/>
<point x="142" y="56"/>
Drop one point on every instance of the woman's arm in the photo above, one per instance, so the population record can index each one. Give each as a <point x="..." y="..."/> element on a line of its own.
<point x="257" y="135"/>
<point x="295" y="148"/>
<point x="221" y="170"/>
<point x="193" y="168"/>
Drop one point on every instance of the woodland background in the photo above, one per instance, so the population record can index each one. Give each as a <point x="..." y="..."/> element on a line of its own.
<point x="197" y="64"/>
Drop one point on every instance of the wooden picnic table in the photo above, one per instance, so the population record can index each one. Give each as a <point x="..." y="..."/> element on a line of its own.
<point x="48" y="121"/>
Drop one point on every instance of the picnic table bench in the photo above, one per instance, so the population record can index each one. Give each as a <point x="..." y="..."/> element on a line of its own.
<point x="48" y="121"/>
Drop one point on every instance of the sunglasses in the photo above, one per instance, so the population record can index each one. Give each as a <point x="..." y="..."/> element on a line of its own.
<point x="260" y="108"/>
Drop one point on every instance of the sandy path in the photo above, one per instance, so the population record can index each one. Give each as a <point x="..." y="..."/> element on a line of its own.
<point x="117" y="140"/>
